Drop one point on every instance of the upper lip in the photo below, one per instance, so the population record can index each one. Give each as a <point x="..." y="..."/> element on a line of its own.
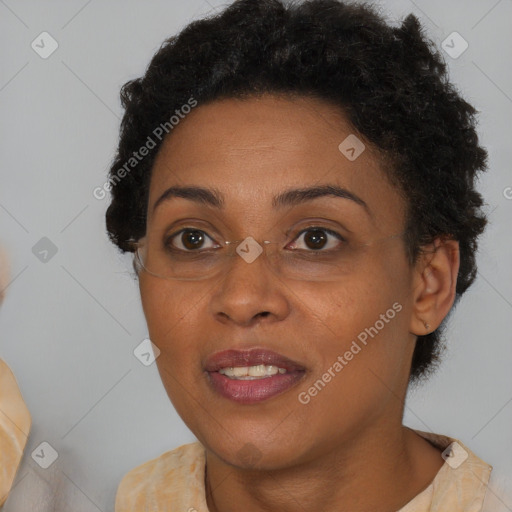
<point x="251" y="357"/>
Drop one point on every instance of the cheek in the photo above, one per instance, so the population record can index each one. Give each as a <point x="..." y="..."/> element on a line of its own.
<point x="363" y="360"/>
<point x="171" y="312"/>
<point x="363" y="319"/>
<point x="368" y="331"/>
<point x="372" y="294"/>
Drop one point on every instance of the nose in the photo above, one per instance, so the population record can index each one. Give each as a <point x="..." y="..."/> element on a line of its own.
<point x="249" y="292"/>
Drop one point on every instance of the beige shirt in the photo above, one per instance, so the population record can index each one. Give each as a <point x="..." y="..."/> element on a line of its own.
<point x="175" y="482"/>
<point x="14" y="428"/>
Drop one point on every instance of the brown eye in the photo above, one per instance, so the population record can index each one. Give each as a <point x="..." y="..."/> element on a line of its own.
<point x="192" y="239"/>
<point x="316" y="239"/>
<point x="189" y="240"/>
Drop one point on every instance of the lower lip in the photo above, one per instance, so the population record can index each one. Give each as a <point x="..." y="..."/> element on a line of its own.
<point x="253" y="391"/>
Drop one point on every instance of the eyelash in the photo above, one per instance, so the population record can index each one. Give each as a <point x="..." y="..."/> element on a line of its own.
<point x="334" y="234"/>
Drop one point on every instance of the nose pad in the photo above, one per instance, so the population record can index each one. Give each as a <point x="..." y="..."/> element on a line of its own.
<point x="249" y="249"/>
<point x="243" y="257"/>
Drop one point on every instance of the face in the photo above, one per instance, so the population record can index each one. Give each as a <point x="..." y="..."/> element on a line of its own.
<point x="342" y="342"/>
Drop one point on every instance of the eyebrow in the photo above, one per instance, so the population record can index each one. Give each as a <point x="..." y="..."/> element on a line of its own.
<point x="292" y="197"/>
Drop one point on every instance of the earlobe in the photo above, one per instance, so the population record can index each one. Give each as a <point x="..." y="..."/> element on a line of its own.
<point x="434" y="285"/>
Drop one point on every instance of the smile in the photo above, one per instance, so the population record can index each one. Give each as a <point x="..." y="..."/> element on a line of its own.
<point x="251" y="376"/>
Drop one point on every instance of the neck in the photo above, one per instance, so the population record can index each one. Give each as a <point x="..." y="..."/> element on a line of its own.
<point x="376" y="471"/>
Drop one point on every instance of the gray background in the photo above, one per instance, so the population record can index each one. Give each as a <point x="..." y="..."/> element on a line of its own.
<point x="69" y="325"/>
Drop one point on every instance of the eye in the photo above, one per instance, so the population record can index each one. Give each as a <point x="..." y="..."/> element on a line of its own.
<point x="189" y="240"/>
<point x="317" y="238"/>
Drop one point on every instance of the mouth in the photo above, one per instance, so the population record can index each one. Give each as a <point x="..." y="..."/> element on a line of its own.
<point x="251" y="376"/>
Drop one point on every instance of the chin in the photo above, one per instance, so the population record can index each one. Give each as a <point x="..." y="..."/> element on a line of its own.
<point x="259" y="456"/>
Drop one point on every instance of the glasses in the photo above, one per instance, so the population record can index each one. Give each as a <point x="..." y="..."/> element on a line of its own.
<point x="194" y="260"/>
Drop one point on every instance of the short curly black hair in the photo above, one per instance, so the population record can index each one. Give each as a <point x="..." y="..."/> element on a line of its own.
<point x="390" y="82"/>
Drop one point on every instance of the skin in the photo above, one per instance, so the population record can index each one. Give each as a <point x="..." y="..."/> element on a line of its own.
<point x="346" y="449"/>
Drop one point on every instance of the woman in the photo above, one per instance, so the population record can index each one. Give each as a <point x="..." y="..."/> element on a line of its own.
<point x="297" y="186"/>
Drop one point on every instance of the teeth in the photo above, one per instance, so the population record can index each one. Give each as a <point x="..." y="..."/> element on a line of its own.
<point x="259" y="371"/>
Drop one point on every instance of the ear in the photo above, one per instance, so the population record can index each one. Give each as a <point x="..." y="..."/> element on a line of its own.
<point x="434" y="285"/>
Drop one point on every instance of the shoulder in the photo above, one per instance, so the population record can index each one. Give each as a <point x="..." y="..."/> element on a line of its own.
<point x="475" y="482"/>
<point x="15" y="423"/>
<point x="457" y="455"/>
<point x="175" y="476"/>
<point x="498" y="497"/>
<point x="462" y="482"/>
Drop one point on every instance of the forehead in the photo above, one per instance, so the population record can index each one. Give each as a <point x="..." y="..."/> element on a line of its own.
<point x="254" y="148"/>
<point x="266" y="128"/>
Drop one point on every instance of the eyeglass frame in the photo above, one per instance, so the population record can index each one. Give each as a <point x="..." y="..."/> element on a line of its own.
<point x="137" y="257"/>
